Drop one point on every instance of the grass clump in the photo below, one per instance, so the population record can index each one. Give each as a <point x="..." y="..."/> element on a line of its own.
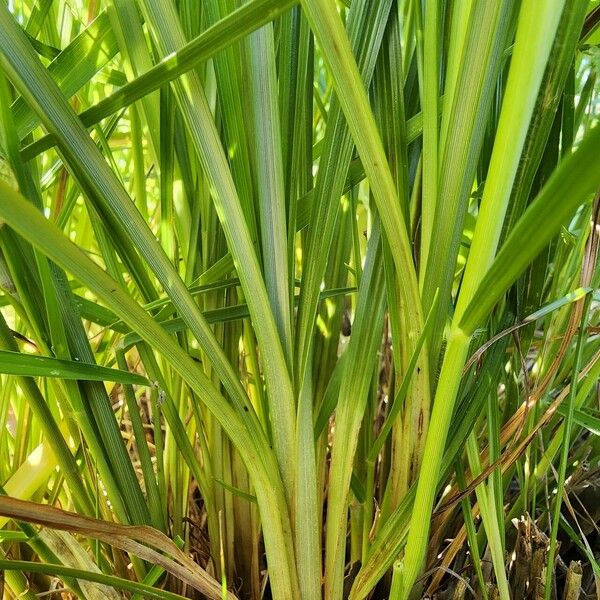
<point x="299" y="299"/>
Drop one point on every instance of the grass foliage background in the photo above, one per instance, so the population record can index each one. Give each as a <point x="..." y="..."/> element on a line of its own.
<point x="299" y="299"/>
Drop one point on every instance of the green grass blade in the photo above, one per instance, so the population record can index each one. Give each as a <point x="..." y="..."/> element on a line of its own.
<point x="467" y="116"/>
<point x="525" y="77"/>
<point x="233" y="88"/>
<point x="545" y="112"/>
<point x="307" y="506"/>
<point x="269" y="180"/>
<point x="572" y="184"/>
<point x="428" y="40"/>
<point x="28" y="365"/>
<point x="350" y="408"/>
